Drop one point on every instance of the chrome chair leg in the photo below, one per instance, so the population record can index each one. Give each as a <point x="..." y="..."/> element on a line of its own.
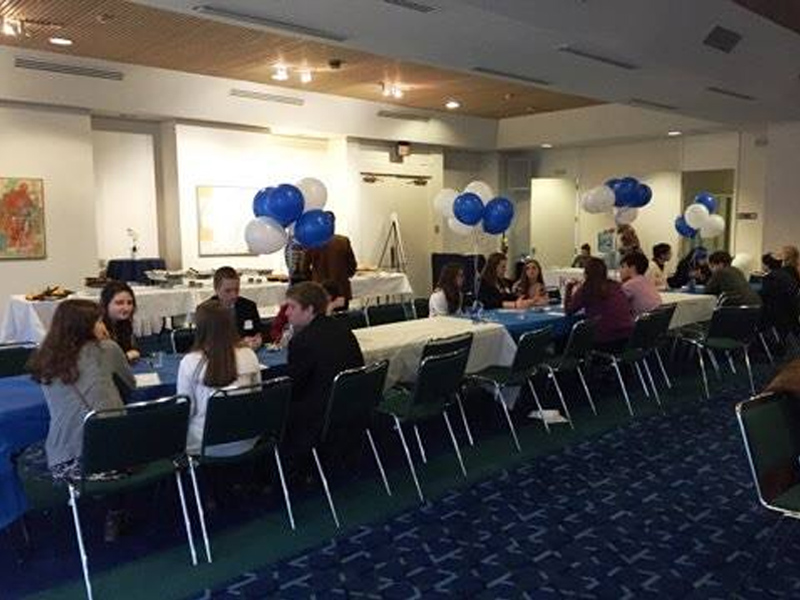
<point x="501" y="400"/>
<point x="538" y="405"/>
<point x="408" y="458"/>
<point x="586" y="390"/>
<point x="703" y="371"/>
<point x="73" y="502"/>
<point x="379" y="462"/>
<point x="766" y="348"/>
<point x="622" y="385"/>
<point x="561" y="398"/>
<point x="200" y="511"/>
<point x="187" y="524"/>
<point x="652" y="382"/>
<point x="325" y="487"/>
<point x="663" y="370"/>
<point x="749" y="370"/>
<point x="420" y="446"/>
<point x="285" y="488"/>
<point x="455" y="443"/>
<point x="464" y="420"/>
<point x="731" y="364"/>
<point x="713" y="358"/>
<point x="641" y="379"/>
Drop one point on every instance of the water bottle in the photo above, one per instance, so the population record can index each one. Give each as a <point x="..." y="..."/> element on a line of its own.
<point x="477" y="311"/>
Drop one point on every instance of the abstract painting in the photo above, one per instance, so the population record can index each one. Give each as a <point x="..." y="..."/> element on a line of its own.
<point x="22" y="218"/>
<point x="222" y="214"/>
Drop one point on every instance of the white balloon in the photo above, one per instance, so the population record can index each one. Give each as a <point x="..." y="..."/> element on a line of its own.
<point x="714" y="226"/>
<point x="598" y="200"/>
<point x="264" y="235"/>
<point x="482" y="189"/>
<point x="443" y="202"/>
<point x="458" y="227"/>
<point x="696" y="215"/>
<point x="314" y="191"/>
<point x="626" y="215"/>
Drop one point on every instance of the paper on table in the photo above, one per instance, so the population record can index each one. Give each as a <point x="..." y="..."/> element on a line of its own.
<point x="551" y="416"/>
<point x="147" y="379"/>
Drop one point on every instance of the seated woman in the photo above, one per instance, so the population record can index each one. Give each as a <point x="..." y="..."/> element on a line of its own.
<point x="447" y="298"/>
<point x="119" y="304"/>
<point x="530" y="287"/>
<point x="779" y="291"/>
<point x="494" y="290"/>
<point x="218" y="360"/>
<point x="692" y="266"/>
<point x="605" y="303"/>
<point x="79" y="369"/>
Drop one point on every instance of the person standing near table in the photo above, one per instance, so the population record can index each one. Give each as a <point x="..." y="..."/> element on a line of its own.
<point x="227" y="285"/>
<point x="334" y="261"/>
<point x="119" y="305"/>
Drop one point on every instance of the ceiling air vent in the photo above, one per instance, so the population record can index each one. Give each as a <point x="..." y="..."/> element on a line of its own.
<point x="722" y="39"/>
<point x="34" y="64"/>
<point x="409" y="5"/>
<point x="593" y="56"/>
<point x="285" y="26"/>
<point x="509" y="75"/>
<point x="651" y="104"/>
<point x="264" y="97"/>
<point x="729" y="93"/>
<point x="403" y="116"/>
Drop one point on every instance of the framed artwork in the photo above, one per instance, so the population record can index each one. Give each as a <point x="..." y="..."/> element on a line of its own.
<point x="223" y="212"/>
<point x="22" y="234"/>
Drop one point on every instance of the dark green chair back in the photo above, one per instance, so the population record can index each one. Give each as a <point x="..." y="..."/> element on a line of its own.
<point x="182" y="340"/>
<point x="381" y="314"/>
<point x="580" y="342"/>
<point x="647" y="332"/>
<point x="462" y="341"/>
<point x="438" y="380"/>
<point x="355" y="319"/>
<point x="134" y="435"/>
<point x="736" y="323"/>
<point x="770" y="425"/>
<point x="257" y="411"/>
<point x="421" y="308"/>
<point x="664" y="314"/>
<point x="354" y="396"/>
<point x="531" y="352"/>
<point x="14" y="358"/>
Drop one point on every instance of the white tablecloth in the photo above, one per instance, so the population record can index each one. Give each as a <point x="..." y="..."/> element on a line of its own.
<point x="557" y="277"/>
<point x="402" y="343"/>
<point x="690" y="308"/>
<point x="26" y="321"/>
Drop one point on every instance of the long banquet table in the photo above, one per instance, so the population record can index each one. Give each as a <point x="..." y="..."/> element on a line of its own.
<point x="27" y="321"/>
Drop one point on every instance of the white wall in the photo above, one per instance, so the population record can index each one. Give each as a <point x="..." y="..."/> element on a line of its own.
<point x="781" y="209"/>
<point x="125" y="193"/>
<point x="56" y="147"/>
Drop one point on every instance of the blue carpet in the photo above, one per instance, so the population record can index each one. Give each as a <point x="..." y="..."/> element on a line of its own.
<point x="662" y="507"/>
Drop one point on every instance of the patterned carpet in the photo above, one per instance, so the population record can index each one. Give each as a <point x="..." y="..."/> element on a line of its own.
<point x="660" y="508"/>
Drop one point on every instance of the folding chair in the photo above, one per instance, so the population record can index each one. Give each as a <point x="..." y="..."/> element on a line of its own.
<point x="182" y="340"/>
<point x="382" y="314"/>
<point x="14" y="357"/>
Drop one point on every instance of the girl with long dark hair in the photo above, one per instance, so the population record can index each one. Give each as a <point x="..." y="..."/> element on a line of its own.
<point x="447" y="298"/>
<point x="119" y="304"/>
<point x="530" y="287"/>
<point x="494" y="290"/>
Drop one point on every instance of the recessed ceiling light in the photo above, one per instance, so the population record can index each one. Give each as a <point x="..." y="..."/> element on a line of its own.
<point x="397" y="92"/>
<point x="674" y="133"/>
<point x="60" y="41"/>
<point x="546" y="146"/>
<point x="10" y="27"/>
<point x="281" y="73"/>
<point x="305" y="76"/>
<point x="452" y="104"/>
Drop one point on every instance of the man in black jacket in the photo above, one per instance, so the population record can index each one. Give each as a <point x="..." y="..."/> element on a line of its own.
<point x="248" y="321"/>
<point x="320" y="349"/>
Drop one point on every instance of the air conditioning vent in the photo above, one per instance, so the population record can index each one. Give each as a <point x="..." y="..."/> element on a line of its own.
<point x="403" y="116"/>
<point x="593" y="56"/>
<point x="266" y="22"/>
<point x="409" y="5"/>
<point x="34" y="64"/>
<point x="651" y="104"/>
<point x="722" y="39"/>
<point x="264" y="97"/>
<point x="509" y="75"/>
<point x="730" y="93"/>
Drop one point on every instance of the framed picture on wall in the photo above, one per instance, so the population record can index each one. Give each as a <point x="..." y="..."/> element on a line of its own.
<point x="22" y="234"/>
<point x="222" y="215"/>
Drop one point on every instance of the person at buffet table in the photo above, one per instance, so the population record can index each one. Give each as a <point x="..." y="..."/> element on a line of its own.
<point x="448" y="297"/>
<point x="334" y="261"/>
<point x="218" y="360"/>
<point x="627" y="240"/>
<point x="579" y="262"/>
<point x="119" y="304"/>
<point x="657" y="270"/>
<point x="642" y="294"/>
<point x="530" y="286"/>
<point x="728" y="280"/>
<point x="692" y="267"/>
<point x="604" y="302"/>
<point x="248" y="322"/>
<point x="494" y="290"/>
<point x="779" y="293"/>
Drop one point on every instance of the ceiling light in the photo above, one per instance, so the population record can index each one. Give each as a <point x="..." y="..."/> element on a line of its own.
<point x="305" y="76"/>
<point x="10" y="27"/>
<point x="674" y="133"/>
<point x="452" y="104"/>
<point x="281" y="73"/>
<point x="391" y="90"/>
<point x="397" y="92"/>
<point x="547" y="146"/>
<point x="60" y="41"/>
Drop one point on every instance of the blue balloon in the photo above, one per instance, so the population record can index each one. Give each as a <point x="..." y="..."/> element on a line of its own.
<point x="707" y="200"/>
<point x="612" y="182"/>
<point x="497" y="215"/>
<point x="314" y="228"/>
<point x="284" y="204"/>
<point x="260" y="202"/>
<point x="468" y="208"/>
<point x="641" y="196"/>
<point x="683" y="228"/>
<point x="625" y="191"/>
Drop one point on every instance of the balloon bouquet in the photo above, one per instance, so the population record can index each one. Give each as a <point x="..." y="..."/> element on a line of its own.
<point x="622" y="196"/>
<point x="287" y="211"/>
<point x="699" y="218"/>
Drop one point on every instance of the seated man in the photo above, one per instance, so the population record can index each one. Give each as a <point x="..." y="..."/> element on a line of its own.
<point x="321" y="348"/>
<point x="730" y="281"/>
<point x="656" y="272"/>
<point x="641" y="292"/>
<point x="579" y="262"/>
<point x="248" y="321"/>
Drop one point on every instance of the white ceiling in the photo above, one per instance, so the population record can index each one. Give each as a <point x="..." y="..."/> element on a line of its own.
<point x="662" y="37"/>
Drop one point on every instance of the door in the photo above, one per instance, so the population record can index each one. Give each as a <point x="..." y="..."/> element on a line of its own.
<point x="552" y="221"/>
